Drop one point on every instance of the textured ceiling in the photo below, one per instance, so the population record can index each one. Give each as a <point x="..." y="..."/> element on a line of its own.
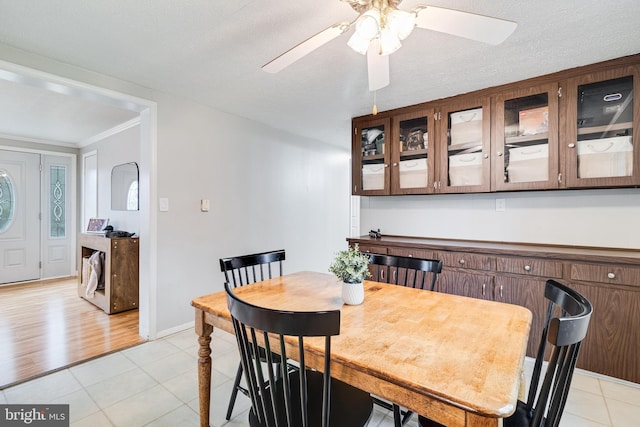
<point x="211" y="51"/>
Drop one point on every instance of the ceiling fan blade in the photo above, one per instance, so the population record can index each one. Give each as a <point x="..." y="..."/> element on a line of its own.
<point x="463" y="24"/>
<point x="306" y="47"/>
<point x="378" y="67"/>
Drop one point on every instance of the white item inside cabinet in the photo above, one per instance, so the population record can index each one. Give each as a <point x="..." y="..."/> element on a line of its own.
<point x="607" y="157"/>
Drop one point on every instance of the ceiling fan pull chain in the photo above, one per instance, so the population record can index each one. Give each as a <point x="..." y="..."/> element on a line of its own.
<point x="375" y="107"/>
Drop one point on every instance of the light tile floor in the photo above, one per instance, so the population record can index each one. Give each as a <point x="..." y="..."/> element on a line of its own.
<point x="155" y="384"/>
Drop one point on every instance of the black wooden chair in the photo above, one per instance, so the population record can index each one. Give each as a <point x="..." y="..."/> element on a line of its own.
<point x="565" y="327"/>
<point x="245" y="269"/>
<point x="300" y="398"/>
<point x="405" y="271"/>
<point x="240" y="271"/>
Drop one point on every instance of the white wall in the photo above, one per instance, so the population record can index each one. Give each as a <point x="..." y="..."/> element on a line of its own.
<point x="122" y="147"/>
<point x="268" y="190"/>
<point x="607" y="217"/>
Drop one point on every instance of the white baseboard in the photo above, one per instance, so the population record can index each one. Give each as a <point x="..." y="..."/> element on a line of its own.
<point x="176" y="329"/>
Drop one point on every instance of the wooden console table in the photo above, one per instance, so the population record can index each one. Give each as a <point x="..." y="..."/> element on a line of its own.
<point x="120" y="271"/>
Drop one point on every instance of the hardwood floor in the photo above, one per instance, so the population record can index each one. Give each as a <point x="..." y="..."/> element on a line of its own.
<point x="45" y="326"/>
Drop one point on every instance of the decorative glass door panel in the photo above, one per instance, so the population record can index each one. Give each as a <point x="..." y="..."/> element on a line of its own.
<point x="526" y="139"/>
<point x="465" y="164"/>
<point x="602" y="114"/>
<point x="412" y="158"/>
<point x="371" y="154"/>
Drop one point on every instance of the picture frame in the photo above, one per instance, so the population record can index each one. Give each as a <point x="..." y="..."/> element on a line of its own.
<point x="97" y="225"/>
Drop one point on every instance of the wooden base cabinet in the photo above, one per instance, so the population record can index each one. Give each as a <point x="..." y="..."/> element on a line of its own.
<point x="614" y="336"/>
<point x="120" y="272"/>
<point x="516" y="273"/>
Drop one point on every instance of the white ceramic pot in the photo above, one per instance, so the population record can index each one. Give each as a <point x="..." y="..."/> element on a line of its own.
<point x="352" y="293"/>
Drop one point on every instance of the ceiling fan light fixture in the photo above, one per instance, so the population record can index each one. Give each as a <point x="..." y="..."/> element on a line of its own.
<point x="358" y="43"/>
<point x="401" y="22"/>
<point x="368" y="24"/>
<point x="389" y="42"/>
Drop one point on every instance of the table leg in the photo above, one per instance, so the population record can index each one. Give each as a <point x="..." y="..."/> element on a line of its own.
<point x="203" y="330"/>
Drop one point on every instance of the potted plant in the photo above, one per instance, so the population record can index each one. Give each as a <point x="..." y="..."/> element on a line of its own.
<point x="351" y="267"/>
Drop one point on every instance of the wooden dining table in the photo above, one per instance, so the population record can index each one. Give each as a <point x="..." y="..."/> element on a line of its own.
<point x="453" y="359"/>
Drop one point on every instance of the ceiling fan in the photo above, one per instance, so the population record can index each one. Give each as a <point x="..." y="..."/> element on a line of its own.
<point x="381" y="26"/>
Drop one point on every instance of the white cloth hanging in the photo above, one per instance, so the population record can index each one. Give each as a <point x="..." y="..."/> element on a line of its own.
<point x="95" y="272"/>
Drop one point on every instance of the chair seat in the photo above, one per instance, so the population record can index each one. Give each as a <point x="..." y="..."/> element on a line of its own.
<point x="426" y="422"/>
<point x="350" y="407"/>
<point x="520" y="418"/>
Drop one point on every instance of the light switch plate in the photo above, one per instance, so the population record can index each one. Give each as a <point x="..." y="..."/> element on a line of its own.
<point x="204" y="205"/>
<point x="164" y="204"/>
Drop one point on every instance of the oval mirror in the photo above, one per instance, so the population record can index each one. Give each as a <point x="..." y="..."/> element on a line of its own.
<point x="124" y="187"/>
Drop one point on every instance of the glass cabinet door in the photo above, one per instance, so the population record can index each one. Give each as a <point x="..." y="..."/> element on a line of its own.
<point x="601" y="145"/>
<point x="465" y="163"/>
<point x="412" y="158"/>
<point x="526" y="139"/>
<point x="371" y="157"/>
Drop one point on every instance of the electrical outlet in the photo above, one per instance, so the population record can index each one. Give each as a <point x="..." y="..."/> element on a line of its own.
<point x="501" y="205"/>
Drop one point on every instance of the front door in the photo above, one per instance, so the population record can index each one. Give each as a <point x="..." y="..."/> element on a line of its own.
<point x="19" y="216"/>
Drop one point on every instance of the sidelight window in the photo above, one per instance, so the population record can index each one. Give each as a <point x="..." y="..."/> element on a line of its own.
<point x="57" y="198"/>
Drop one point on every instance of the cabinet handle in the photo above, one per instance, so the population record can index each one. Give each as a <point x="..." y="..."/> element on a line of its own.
<point x="394" y="275"/>
<point x="500" y="291"/>
<point x="560" y="177"/>
<point x="461" y="262"/>
<point x="381" y="273"/>
<point x="486" y="156"/>
<point x="527" y="268"/>
<point x="611" y="275"/>
<point x="386" y="165"/>
<point x="410" y="255"/>
<point x="572" y="145"/>
<point x="395" y="164"/>
<point x="484" y="286"/>
<point x="499" y="153"/>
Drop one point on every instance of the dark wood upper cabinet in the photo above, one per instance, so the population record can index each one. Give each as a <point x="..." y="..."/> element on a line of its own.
<point x="576" y="128"/>
<point x="602" y="109"/>
<point x="464" y="146"/>
<point x="371" y="157"/>
<point x="412" y="152"/>
<point x="525" y="139"/>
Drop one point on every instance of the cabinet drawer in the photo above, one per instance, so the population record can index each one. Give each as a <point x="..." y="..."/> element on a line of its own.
<point x="466" y="260"/>
<point x="529" y="266"/>
<point x="410" y="252"/>
<point x="606" y="274"/>
<point x="373" y="249"/>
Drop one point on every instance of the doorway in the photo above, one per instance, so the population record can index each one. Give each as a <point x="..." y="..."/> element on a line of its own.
<point x="147" y="111"/>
